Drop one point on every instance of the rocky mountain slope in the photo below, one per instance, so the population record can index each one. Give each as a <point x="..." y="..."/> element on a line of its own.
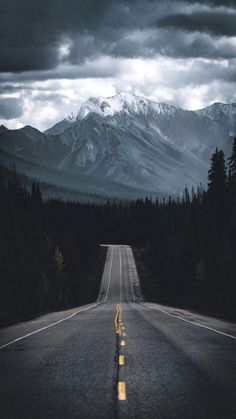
<point x="129" y="142"/>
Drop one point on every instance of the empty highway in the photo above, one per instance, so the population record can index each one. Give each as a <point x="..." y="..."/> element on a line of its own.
<point x="120" y="357"/>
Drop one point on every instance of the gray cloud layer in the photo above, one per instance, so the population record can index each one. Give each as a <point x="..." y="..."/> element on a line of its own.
<point x="215" y="23"/>
<point x="32" y="30"/>
<point x="10" y="108"/>
<point x="43" y="41"/>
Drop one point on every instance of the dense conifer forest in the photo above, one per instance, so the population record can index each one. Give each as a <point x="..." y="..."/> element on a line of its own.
<point x="49" y="255"/>
<point x="185" y="248"/>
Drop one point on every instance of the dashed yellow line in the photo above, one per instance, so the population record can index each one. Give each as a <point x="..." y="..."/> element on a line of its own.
<point x="117" y="319"/>
<point x="121" y="359"/>
<point x="120" y="330"/>
<point x="121" y="390"/>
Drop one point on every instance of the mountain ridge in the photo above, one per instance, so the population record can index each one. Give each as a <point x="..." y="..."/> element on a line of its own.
<point x="131" y="141"/>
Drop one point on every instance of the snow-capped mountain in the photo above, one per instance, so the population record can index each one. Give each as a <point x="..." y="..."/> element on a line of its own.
<point x="222" y="114"/>
<point x="130" y="141"/>
<point x="125" y="103"/>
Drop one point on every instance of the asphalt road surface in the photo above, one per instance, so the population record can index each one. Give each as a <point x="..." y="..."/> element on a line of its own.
<point x="119" y="358"/>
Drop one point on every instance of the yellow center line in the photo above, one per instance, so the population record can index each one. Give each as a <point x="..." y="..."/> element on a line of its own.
<point x="121" y="390"/>
<point x="121" y="359"/>
<point x="117" y="319"/>
<point x="122" y="343"/>
<point x="124" y="334"/>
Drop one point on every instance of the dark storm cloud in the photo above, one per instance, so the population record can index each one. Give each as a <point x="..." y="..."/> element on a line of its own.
<point x="10" y="108"/>
<point x="54" y="51"/>
<point x="31" y="31"/>
<point x="90" y="69"/>
<point x="186" y="45"/>
<point x="215" y="23"/>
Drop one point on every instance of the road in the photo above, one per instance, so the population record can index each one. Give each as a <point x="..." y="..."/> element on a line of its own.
<point x="163" y="363"/>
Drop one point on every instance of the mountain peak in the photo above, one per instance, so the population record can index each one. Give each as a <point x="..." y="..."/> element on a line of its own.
<point x="3" y="128"/>
<point x="222" y="113"/>
<point x="123" y="102"/>
<point x="131" y="141"/>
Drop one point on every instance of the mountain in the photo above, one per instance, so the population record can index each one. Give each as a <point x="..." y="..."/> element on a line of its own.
<point x="128" y="143"/>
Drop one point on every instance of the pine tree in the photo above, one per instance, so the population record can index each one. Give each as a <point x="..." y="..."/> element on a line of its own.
<point x="217" y="191"/>
<point x="217" y="177"/>
<point x="186" y="196"/>
<point x="200" y="273"/>
<point x="231" y="190"/>
<point x="232" y="166"/>
<point x="60" y="283"/>
<point x="36" y="193"/>
<point x="58" y="260"/>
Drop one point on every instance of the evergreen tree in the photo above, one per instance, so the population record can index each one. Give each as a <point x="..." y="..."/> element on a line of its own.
<point x="232" y="167"/>
<point x="58" y="260"/>
<point x="186" y="196"/>
<point x="36" y="193"/>
<point x="217" y="177"/>
<point x="217" y="187"/>
<point x="200" y="271"/>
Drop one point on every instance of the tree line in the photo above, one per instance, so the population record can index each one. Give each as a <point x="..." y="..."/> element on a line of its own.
<point x="184" y="247"/>
<point x="49" y="255"/>
<point x="190" y="258"/>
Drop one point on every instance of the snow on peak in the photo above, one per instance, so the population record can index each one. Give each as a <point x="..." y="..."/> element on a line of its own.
<point x="122" y="102"/>
<point x="221" y="112"/>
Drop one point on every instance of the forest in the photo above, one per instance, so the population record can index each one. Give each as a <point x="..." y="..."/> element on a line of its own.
<point x="185" y="248"/>
<point x="49" y="255"/>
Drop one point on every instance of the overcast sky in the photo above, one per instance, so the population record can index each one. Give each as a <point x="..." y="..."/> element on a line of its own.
<point x="55" y="52"/>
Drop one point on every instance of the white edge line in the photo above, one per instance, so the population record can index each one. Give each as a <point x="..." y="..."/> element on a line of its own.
<point x="173" y="315"/>
<point x="65" y="318"/>
<point x="50" y="325"/>
<point x="132" y="289"/>
<point x="109" y="280"/>
<point x="188" y="321"/>
<point x="120" y="274"/>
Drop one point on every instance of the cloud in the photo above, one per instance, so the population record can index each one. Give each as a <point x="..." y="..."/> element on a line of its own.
<point x="31" y="31"/>
<point x="54" y="32"/>
<point x="55" y="52"/>
<point x="214" y="23"/>
<point x="10" y="108"/>
<point x="189" y="83"/>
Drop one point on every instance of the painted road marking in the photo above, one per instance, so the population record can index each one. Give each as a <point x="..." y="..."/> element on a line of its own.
<point x="124" y="333"/>
<point x="47" y="327"/>
<point x="68" y="317"/>
<point x="121" y="390"/>
<point x="109" y="280"/>
<point x="121" y="359"/>
<point x="120" y="275"/>
<point x="117" y="319"/>
<point x="131" y="284"/>
<point x="122" y="343"/>
<point x="189" y="321"/>
<point x="173" y="315"/>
